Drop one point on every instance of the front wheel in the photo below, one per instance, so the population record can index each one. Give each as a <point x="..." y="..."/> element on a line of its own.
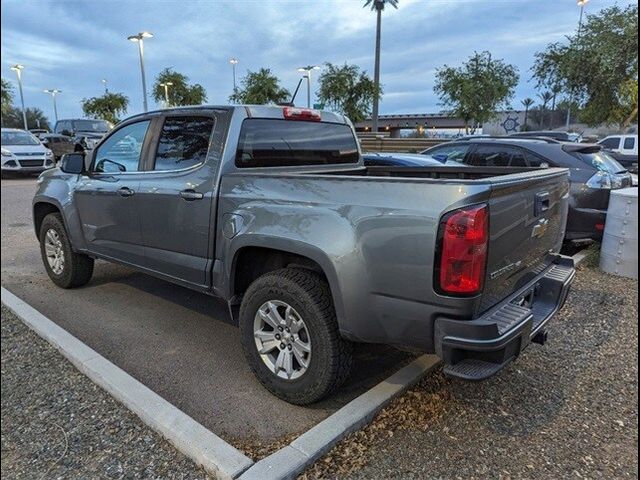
<point x="290" y="336"/>
<point x="65" y="268"/>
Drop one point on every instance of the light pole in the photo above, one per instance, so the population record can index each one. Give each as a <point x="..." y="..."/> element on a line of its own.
<point x="581" y="4"/>
<point x="139" y="39"/>
<point x="53" y="92"/>
<point x="234" y="62"/>
<point x="104" y="82"/>
<point x="307" y="71"/>
<point x="18" y="69"/>
<point x="166" y="86"/>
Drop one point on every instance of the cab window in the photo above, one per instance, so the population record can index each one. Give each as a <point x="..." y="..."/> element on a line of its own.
<point x="121" y="152"/>
<point x="611" y="143"/>
<point x="449" y="153"/>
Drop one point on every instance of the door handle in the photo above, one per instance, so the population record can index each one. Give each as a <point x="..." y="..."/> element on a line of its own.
<point x="542" y="203"/>
<point x="190" y="195"/>
<point x="125" y="192"/>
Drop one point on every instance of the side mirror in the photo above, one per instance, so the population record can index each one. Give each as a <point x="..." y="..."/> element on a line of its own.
<point x="72" y="163"/>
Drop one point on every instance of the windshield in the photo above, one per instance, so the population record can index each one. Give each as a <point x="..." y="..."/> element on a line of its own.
<point x="99" y="126"/>
<point x="602" y="162"/>
<point x="19" y="138"/>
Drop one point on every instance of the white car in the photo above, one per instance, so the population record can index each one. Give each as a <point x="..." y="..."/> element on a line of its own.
<point x="23" y="152"/>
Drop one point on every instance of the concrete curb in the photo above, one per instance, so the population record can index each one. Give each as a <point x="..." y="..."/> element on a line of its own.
<point x="291" y="460"/>
<point x="205" y="448"/>
<point x="580" y="256"/>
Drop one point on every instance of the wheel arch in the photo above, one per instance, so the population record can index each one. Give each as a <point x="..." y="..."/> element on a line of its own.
<point x="255" y="257"/>
<point x="40" y="210"/>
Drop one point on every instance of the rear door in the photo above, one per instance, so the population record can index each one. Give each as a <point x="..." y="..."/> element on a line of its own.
<point x="527" y="225"/>
<point x="177" y="197"/>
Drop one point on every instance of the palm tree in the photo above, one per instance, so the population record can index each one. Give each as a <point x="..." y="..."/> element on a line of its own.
<point x="378" y="6"/>
<point x="527" y="103"/>
<point x="546" y="97"/>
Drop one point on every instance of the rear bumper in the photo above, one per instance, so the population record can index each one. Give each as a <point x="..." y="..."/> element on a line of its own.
<point x="476" y="349"/>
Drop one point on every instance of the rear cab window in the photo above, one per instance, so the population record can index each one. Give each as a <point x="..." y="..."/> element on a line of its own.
<point x="288" y="143"/>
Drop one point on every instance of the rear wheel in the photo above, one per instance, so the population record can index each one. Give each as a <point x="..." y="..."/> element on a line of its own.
<point x="66" y="268"/>
<point x="290" y="336"/>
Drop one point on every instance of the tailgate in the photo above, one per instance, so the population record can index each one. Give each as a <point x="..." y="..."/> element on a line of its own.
<point x="528" y="213"/>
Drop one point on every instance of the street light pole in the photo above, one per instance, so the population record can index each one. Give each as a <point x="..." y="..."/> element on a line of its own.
<point x="581" y="4"/>
<point x="104" y="82"/>
<point x="166" y="86"/>
<point x="18" y="69"/>
<point x="234" y="62"/>
<point x="139" y="39"/>
<point x="307" y="71"/>
<point x="53" y="92"/>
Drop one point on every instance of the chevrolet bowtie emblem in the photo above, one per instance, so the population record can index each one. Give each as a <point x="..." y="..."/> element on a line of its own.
<point x="540" y="229"/>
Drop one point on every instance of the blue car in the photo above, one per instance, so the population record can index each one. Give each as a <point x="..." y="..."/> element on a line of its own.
<point x="382" y="159"/>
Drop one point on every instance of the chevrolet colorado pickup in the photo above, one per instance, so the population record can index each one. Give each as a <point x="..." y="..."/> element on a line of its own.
<point x="272" y="210"/>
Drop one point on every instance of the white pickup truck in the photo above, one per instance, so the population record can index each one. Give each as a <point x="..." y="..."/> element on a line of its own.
<point x="624" y="148"/>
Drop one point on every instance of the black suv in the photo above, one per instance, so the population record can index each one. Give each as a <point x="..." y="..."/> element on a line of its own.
<point x="593" y="173"/>
<point x="86" y="133"/>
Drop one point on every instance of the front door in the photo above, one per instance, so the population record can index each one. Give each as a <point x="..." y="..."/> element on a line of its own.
<point x="177" y="198"/>
<point x="107" y="196"/>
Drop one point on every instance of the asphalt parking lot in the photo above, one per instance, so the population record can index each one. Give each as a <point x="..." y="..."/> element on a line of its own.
<point x="179" y="343"/>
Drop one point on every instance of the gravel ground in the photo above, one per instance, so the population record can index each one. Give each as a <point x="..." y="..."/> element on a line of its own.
<point x="57" y="424"/>
<point x="568" y="409"/>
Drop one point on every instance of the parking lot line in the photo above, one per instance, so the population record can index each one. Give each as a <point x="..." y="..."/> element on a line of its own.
<point x="293" y="459"/>
<point x="205" y="448"/>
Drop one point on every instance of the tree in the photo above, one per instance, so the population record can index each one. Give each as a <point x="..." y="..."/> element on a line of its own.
<point x="527" y="103"/>
<point x="378" y="6"/>
<point x="347" y="90"/>
<point x="259" y="88"/>
<point x="596" y="65"/>
<point x="179" y="92"/>
<point x="35" y="118"/>
<point x="546" y="97"/>
<point x="478" y="89"/>
<point x="106" y="107"/>
<point x="7" y="96"/>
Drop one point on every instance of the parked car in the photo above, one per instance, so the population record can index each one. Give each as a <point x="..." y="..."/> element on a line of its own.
<point x="593" y="173"/>
<point x="86" y="133"/>
<point x="58" y="144"/>
<point x="273" y="210"/>
<point x="38" y="132"/>
<point x="624" y="148"/>
<point x="398" y="159"/>
<point x="553" y="134"/>
<point x="22" y="152"/>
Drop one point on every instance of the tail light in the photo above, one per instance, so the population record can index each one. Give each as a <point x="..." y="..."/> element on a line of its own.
<point x="462" y="253"/>
<point x="293" y="113"/>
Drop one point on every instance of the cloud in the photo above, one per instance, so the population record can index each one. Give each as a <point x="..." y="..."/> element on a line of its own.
<point x="73" y="45"/>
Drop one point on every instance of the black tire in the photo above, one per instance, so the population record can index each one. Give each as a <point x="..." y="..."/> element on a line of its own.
<point x="77" y="269"/>
<point x="308" y="293"/>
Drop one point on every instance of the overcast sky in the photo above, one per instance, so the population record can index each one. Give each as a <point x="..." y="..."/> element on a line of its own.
<point x="72" y="45"/>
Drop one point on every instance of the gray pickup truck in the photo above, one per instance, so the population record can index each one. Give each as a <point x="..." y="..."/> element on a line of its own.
<point x="272" y="210"/>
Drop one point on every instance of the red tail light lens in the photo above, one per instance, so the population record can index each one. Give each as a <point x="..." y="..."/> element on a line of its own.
<point x="464" y="237"/>
<point x="293" y="113"/>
